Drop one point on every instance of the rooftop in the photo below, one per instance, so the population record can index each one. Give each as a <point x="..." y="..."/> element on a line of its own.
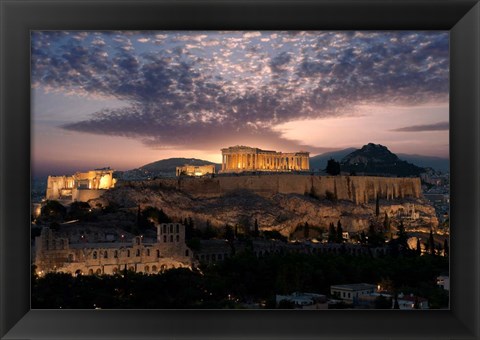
<point x="354" y="286"/>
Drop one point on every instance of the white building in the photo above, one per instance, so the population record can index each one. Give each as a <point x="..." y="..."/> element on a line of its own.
<point x="411" y="302"/>
<point x="351" y="292"/>
<point x="444" y="282"/>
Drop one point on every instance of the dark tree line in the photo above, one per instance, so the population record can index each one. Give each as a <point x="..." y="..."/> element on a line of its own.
<point x="244" y="277"/>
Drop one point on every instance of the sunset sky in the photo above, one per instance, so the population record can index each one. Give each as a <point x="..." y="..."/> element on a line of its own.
<point x="124" y="99"/>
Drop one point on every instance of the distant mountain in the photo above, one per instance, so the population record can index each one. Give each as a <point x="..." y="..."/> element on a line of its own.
<point x="161" y="168"/>
<point x="436" y="163"/>
<point x="170" y="164"/>
<point x="376" y="159"/>
<point x="319" y="162"/>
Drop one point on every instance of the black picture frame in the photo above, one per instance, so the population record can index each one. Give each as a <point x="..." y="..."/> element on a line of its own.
<point x="18" y="17"/>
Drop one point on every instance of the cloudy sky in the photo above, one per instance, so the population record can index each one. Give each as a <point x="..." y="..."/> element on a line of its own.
<point x="124" y="99"/>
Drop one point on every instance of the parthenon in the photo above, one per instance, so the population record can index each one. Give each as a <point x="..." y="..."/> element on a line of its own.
<point x="244" y="158"/>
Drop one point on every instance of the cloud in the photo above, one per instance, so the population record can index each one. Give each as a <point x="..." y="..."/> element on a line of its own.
<point x="191" y="89"/>
<point x="441" y="126"/>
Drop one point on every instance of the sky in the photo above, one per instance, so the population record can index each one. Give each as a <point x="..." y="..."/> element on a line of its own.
<point x="127" y="98"/>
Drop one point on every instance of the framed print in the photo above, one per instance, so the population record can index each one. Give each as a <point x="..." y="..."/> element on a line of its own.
<point x="225" y="169"/>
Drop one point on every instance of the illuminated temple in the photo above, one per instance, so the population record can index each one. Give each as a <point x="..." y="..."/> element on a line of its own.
<point x="243" y="158"/>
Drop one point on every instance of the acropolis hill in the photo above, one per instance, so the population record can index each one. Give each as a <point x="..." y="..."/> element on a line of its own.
<point x="277" y="201"/>
<point x="276" y="189"/>
<point x="357" y="189"/>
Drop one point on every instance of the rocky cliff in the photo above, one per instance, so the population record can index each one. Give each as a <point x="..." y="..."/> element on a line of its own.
<point x="357" y="189"/>
<point x="279" y="202"/>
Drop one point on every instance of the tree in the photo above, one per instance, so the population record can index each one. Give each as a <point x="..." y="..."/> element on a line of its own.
<point x="386" y="222"/>
<point x="286" y="304"/>
<point x="363" y="238"/>
<point x="374" y="239"/>
<point x="79" y="210"/>
<point x="431" y="243"/>
<point x="256" y="232"/>
<point x="306" y="231"/>
<point x="332" y="234"/>
<point x="245" y="225"/>
<point x="333" y="167"/>
<point x="53" y="211"/>
<point x="209" y="232"/>
<point x="339" y="232"/>
<point x="445" y="248"/>
<point x="419" y="247"/>
<point x="139" y="216"/>
<point x="229" y="234"/>
<point x="189" y="232"/>
<point x="381" y="302"/>
<point x="402" y="236"/>
<point x="396" y="305"/>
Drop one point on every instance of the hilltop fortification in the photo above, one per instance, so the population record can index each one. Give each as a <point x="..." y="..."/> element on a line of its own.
<point x="357" y="189"/>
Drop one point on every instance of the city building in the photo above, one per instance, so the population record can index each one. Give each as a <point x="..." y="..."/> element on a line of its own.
<point x="195" y="170"/>
<point x="443" y="281"/>
<point x="54" y="253"/>
<point x="351" y="292"/>
<point x="82" y="186"/>
<point x="304" y="300"/>
<point x="412" y="302"/>
<point x="244" y="158"/>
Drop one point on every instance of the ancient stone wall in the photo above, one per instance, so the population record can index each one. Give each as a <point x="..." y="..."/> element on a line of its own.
<point x="81" y="186"/>
<point x="53" y="253"/>
<point x="358" y="189"/>
<point x="84" y="195"/>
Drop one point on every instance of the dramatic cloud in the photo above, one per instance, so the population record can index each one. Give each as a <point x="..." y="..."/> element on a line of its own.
<point x="441" y="126"/>
<point x="184" y="88"/>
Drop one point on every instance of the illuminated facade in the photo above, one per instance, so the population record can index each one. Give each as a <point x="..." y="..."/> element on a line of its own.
<point x="244" y="158"/>
<point x="54" y="253"/>
<point x="195" y="170"/>
<point x="82" y="186"/>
